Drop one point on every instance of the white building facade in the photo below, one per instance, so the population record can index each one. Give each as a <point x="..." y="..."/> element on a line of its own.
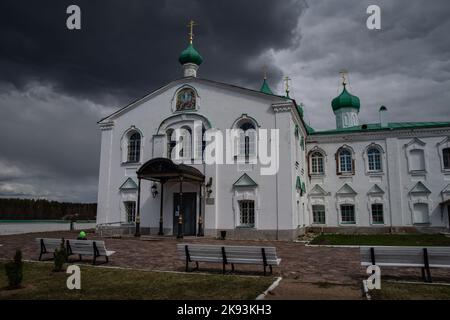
<point x="357" y="178"/>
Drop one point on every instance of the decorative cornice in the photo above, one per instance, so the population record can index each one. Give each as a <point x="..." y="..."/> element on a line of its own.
<point x="378" y="135"/>
<point x="282" y="106"/>
<point x="106" y="125"/>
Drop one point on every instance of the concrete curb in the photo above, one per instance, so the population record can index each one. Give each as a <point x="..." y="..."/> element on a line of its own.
<point x="275" y="284"/>
<point x="333" y="246"/>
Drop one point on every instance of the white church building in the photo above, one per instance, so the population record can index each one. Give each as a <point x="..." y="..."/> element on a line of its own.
<point x="379" y="177"/>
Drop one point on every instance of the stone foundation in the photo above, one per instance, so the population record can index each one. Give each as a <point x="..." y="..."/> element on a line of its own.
<point x="252" y="234"/>
<point x="375" y="230"/>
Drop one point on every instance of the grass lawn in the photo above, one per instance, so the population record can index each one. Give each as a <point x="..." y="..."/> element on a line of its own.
<point x="383" y="240"/>
<point x="102" y="283"/>
<point x="403" y="291"/>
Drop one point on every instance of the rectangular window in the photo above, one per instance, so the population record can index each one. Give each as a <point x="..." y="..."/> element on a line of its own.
<point x="446" y="156"/>
<point x="247" y="212"/>
<point x="318" y="214"/>
<point x="348" y="214"/>
<point x="377" y="213"/>
<point x="130" y="209"/>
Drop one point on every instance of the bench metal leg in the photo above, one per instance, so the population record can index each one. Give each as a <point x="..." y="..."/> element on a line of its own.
<point x="40" y="256"/>
<point x="232" y="267"/>
<point x="196" y="265"/>
<point x="80" y="257"/>
<point x="271" y="271"/>
<point x="107" y="259"/>
<point x="95" y="259"/>
<point x="187" y="264"/>
<point x="430" y="280"/>
<point x="264" y="270"/>
<point x="223" y="268"/>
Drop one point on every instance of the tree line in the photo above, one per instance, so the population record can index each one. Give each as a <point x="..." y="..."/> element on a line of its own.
<point x="41" y="209"/>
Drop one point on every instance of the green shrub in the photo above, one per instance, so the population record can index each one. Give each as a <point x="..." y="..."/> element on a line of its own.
<point x="14" y="271"/>
<point x="60" y="257"/>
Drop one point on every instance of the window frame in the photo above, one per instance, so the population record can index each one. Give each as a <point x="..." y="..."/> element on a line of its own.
<point x="246" y="213"/>
<point x="317" y="160"/>
<point x="126" y="205"/>
<point x="321" y="211"/>
<point x="339" y="163"/>
<point x="134" y="151"/>
<point x="446" y="158"/>
<point x="374" y="155"/>
<point x="342" y="212"/>
<point x="372" y="213"/>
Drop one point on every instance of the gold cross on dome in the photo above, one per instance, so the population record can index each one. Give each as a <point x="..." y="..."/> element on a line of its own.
<point x="191" y="25"/>
<point x="264" y="70"/>
<point x="286" y="84"/>
<point x="344" y="77"/>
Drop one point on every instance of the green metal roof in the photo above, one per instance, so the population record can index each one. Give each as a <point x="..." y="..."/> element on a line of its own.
<point x="190" y="55"/>
<point x="265" y="87"/>
<point x="390" y="126"/>
<point x="345" y="100"/>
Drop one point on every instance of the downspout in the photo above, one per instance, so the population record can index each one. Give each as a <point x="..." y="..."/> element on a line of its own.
<point x="276" y="188"/>
<point x="389" y="187"/>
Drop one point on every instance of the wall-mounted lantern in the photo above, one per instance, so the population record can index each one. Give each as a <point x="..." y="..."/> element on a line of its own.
<point x="154" y="190"/>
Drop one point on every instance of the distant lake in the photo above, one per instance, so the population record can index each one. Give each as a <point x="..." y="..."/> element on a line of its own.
<point x="28" y="226"/>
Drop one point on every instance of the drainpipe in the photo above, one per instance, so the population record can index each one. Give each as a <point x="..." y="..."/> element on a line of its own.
<point x="276" y="187"/>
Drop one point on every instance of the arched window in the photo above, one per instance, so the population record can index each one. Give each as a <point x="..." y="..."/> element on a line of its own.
<point x="170" y="144"/>
<point x="186" y="143"/>
<point x="317" y="166"/>
<point x="247" y="140"/>
<point x="134" y="147"/>
<point x="446" y="158"/>
<point x="417" y="160"/>
<point x="374" y="160"/>
<point x="345" y="164"/>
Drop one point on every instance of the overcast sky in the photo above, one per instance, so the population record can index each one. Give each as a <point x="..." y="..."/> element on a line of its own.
<point x="55" y="84"/>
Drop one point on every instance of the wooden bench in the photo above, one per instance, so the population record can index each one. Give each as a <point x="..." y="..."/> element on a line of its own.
<point x="265" y="256"/>
<point x="95" y="248"/>
<point x="48" y="245"/>
<point x="415" y="257"/>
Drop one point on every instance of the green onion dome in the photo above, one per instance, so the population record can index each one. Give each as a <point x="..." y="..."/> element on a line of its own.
<point x="345" y="100"/>
<point x="190" y="55"/>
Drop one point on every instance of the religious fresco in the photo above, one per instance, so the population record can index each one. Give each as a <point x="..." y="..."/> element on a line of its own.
<point x="185" y="99"/>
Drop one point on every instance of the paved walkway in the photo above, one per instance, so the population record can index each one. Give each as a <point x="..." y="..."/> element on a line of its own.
<point x="313" y="266"/>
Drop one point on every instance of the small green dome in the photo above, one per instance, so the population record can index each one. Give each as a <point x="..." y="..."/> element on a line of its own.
<point x="345" y="100"/>
<point x="190" y="55"/>
<point x="265" y="88"/>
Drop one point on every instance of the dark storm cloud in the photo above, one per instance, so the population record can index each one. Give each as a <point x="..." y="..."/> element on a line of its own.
<point x="127" y="48"/>
<point x="405" y="65"/>
<point x="55" y="83"/>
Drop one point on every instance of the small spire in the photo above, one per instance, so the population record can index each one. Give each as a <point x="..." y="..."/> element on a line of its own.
<point x="286" y="85"/>
<point x="191" y="25"/>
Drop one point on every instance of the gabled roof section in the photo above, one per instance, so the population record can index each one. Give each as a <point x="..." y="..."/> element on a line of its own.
<point x="245" y="181"/>
<point x="375" y="190"/>
<point x="180" y="81"/>
<point x="420" y="188"/>
<point x="318" y="191"/>
<point x="129" y="184"/>
<point x="346" y="190"/>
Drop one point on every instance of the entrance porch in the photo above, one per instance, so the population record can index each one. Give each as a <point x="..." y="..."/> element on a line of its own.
<point x="185" y="207"/>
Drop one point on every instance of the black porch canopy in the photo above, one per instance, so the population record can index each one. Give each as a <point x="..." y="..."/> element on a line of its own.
<point x="163" y="170"/>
